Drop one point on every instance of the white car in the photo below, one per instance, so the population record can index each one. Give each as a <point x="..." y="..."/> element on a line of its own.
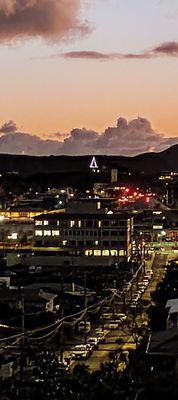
<point x="81" y="352"/>
<point x="93" y="342"/>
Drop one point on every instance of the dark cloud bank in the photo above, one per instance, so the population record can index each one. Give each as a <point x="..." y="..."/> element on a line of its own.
<point x="126" y="138"/>
<point x="48" y="19"/>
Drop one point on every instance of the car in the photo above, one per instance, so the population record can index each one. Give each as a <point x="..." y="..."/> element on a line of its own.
<point x="101" y="335"/>
<point x="147" y="276"/>
<point x="81" y="352"/>
<point x="63" y="366"/>
<point x="128" y="286"/>
<point x="93" y="342"/>
<point x="137" y="293"/>
<point x="146" y="282"/>
<point x="142" y="288"/>
<point x="149" y="271"/>
<point x="107" y="315"/>
<point x="113" y="324"/>
<point x="133" y="305"/>
<point x="121" y="316"/>
<point x="135" y="298"/>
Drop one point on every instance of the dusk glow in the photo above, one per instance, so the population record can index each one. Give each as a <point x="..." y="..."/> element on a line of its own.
<point x="69" y="64"/>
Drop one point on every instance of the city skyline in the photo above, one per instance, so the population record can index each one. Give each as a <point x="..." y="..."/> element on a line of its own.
<point x="71" y="64"/>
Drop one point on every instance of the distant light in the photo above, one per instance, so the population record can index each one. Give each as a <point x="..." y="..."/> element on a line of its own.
<point x="13" y="236"/>
<point x="93" y="164"/>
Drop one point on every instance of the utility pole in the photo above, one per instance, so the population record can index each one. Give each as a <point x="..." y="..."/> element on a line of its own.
<point x="102" y="319"/>
<point x="124" y="302"/>
<point x="85" y="306"/>
<point x="61" y="332"/>
<point x="21" y="308"/>
<point x="114" y="301"/>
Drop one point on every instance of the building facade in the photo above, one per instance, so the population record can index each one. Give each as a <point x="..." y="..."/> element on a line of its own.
<point x="98" y="235"/>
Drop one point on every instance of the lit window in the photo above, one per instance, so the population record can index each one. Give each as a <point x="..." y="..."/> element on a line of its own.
<point x="99" y="224"/>
<point x="38" y="222"/>
<point x="88" y="252"/>
<point x="114" y="253"/>
<point x="38" y="233"/>
<point x="47" y="233"/>
<point x="122" y="253"/>
<point x="98" y="205"/>
<point x="72" y="223"/>
<point x="105" y="253"/>
<point x="46" y="222"/>
<point x="97" y="252"/>
<point x="55" y="233"/>
<point x="58" y="223"/>
<point x="13" y="236"/>
<point x="79" y="224"/>
<point x="96" y="242"/>
<point x="64" y="242"/>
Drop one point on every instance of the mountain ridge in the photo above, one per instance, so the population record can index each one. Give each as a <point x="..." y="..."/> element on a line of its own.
<point x="148" y="163"/>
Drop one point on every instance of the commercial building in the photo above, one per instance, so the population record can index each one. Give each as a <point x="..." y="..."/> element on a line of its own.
<point x="98" y="237"/>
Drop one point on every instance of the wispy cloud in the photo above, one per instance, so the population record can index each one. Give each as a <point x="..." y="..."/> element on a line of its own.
<point x="169" y="49"/>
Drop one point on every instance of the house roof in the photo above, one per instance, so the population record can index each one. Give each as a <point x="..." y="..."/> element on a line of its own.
<point x="173" y="309"/>
<point x="164" y="342"/>
<point x="58" y="287"/>
<point x="36" y="295"/>
<point x="171" y="302"/>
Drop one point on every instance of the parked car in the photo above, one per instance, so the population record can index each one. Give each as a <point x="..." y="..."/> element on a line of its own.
<point x="93" y="342"/>
<point x="113" y="324"/>
<point x="101" y="335"/>
<point x="107" y="315"/>
<point x="135" y="297"/>
<point x="121" y="316"/>
<point x="81" y="352"/>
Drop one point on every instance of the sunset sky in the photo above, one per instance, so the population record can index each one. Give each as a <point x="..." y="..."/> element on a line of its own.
<point x="71" y="64"/>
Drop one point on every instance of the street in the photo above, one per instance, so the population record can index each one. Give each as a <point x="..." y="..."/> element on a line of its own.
<point x="102" y="354"/>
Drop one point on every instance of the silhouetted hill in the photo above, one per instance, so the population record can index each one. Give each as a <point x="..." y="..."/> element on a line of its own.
<point x="148" y="163"/>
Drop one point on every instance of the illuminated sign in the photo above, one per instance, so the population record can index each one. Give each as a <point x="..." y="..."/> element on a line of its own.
<point x="93" y="164"/>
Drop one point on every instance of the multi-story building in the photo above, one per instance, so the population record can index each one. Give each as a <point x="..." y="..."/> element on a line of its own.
<point x="99" y="236"/>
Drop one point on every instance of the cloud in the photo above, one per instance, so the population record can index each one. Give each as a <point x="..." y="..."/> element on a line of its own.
<point x="95" y="55"/>
<point x="164" y="49"/>
<point x="47" y="19"/>
<point x="127" y="138"/>
<point x="167" y="48"/>
<point x="8" y="127"/>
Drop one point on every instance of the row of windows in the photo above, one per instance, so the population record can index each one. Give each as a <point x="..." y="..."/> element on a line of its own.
<point x="91" y="243"/>
<point x="83" y="223"/>
<point x="93" y="233"/>
<point x="47" y="233"/>
<point x="113" y="253"/>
